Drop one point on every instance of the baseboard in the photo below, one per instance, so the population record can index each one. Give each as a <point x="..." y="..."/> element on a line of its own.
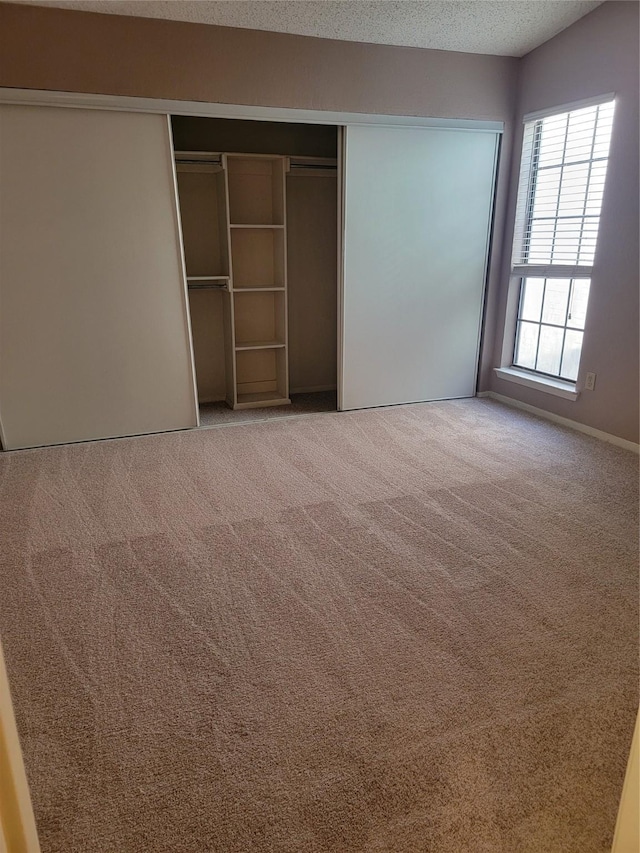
<point x="18" y="832"/>
<point x="558" y="419"/>
<point x="312" y="389"/>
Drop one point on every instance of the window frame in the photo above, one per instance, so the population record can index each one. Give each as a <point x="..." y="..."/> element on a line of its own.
<point x="566" y="327"/>
<point x="520" y="271"/>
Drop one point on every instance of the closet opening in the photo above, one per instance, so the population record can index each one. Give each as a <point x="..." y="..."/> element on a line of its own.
<point x="259" y="215"/>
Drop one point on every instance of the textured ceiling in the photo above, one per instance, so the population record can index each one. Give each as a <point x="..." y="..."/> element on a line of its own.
<point x="507" y="27"/>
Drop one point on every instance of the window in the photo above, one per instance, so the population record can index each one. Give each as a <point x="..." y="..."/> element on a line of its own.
<point x="562" y="177"/>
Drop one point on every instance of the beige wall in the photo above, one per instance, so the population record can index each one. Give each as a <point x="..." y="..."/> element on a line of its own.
<point x="57" y="49"/>
<point x="597" y="55"/>
<point x="84" y="52"/>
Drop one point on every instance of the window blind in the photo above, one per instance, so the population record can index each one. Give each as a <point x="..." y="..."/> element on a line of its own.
<point x="562" y="177"/>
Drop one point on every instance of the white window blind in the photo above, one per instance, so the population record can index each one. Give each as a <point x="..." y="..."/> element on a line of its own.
<point x="562" y="176"/>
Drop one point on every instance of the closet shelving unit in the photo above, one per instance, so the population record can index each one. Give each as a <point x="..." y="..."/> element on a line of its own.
<point x="257" y="229"/>
<point x="234" y="232"/>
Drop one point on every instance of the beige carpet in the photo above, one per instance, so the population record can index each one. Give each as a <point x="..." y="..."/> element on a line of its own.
<point x="401" y="630"/>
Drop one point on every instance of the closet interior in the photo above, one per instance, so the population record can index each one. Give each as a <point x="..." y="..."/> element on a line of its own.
<point x="258" y="208"/>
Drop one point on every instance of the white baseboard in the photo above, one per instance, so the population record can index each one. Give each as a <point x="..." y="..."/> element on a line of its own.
<point x="558" y="419"/>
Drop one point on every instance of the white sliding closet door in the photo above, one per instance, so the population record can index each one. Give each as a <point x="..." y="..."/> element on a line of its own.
<point x="94" y="335"/>
<point x="418" y="205"/>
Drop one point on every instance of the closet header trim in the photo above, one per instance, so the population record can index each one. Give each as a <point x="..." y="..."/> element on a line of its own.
<point x="39" y="97"/>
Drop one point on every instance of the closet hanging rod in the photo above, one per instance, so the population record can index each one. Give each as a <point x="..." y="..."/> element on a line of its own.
<point x="300" y="162"/>
<point x="214" y="158"/>
<point x="184" y="161"/>
<point x="198" y="156"/>
<point x="204" y="286"/>
<point x="325" y="167"/>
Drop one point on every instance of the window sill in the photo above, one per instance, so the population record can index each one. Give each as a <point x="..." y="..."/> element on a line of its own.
<point x="557" y="387"/>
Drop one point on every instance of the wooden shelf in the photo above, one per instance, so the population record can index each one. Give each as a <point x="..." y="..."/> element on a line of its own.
<point x="258" y="290"/>
<point x="268" y="288"/>
<point x="272" y="227"/>
<point x="259" y="320"/>
<point x="207" y="278"/>
<point x="260" y="399"/>
<point x="261" y="372"/>
<point x="260" y="345"/>
<point x="256" y="191"/>
<point x="258" y="257"/>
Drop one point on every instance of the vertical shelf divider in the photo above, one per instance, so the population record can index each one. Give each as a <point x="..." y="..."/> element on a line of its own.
<point x="229" y="308"/>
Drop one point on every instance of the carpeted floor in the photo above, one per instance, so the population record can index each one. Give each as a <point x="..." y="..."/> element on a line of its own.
<point x="410" y="630"/>
<point x="219" y="414"/>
